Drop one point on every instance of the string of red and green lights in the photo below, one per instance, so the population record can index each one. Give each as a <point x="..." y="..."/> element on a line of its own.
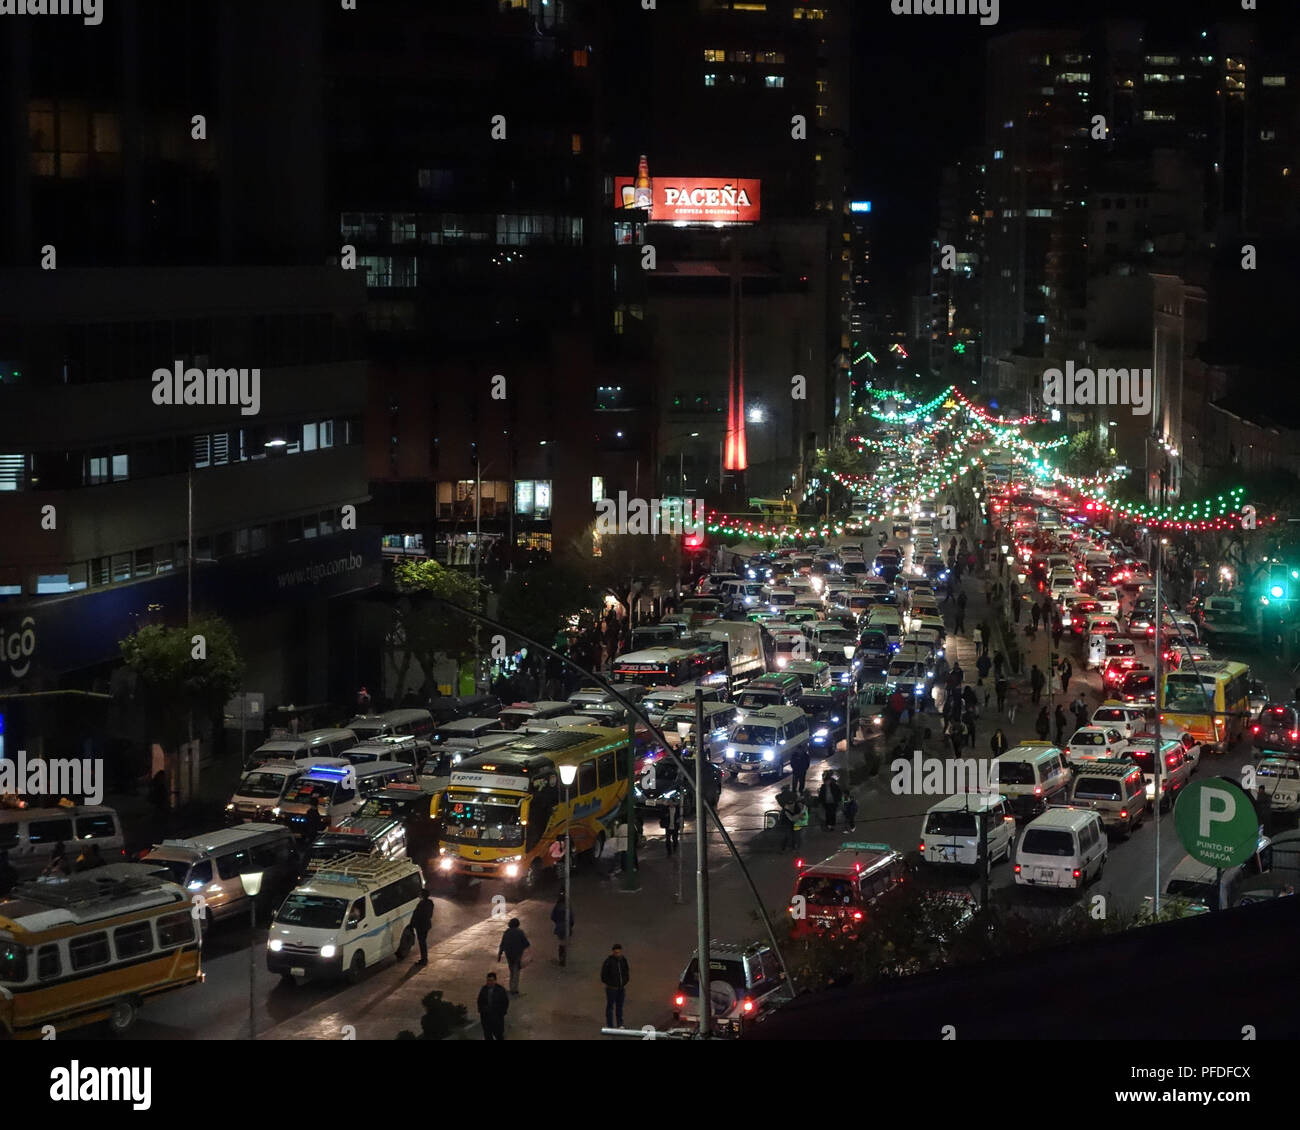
<point x="1224" y="511"/>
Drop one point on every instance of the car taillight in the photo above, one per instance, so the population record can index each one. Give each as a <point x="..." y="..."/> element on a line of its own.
<point x="1294" y="735"/>
<point x="748" y="1006"/>
<point x="798" y="864"/>
<point x="1254" y="729"/>
<point x="922" y="848"/>
<point x="1038" y="790"/>
<point x="1076" y="872"/>
<point x="857" y="914"/>
<point x="679" y="1000"/>
<point x="1017" y="869"/>
<point x="1123" y="813"/>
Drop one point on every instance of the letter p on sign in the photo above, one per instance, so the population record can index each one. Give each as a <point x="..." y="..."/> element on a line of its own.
<point x="1218" y="806"/>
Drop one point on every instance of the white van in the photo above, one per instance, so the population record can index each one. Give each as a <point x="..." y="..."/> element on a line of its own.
<point x="950" y="831"/>
<point x="260" y="791"/>
<point x="1193" y="883"/>
<point x="1064" y="848"/>
<point x="213" y="865"/>
<point x="1061" y="581"/>
<point x="332" y="789"/>
<point x="313" y="743"/>
<point x="1030" y="776"/>
<point x="29" y="835"/>
<point x="348" y="915"/>
<point x="765" y="740"/>
<point x="720" y="719"/>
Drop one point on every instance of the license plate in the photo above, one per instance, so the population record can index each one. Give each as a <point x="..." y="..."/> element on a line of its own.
<point x="1045" y="873"/>
<point x="477" y="867"/>
<point x="298" y="971"/>
<point x="950" y="853"/>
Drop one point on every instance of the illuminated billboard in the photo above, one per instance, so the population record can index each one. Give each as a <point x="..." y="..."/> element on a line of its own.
<point x="689" y="200"/>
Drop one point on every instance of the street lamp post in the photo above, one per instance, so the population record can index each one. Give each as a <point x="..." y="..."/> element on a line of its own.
<point x="568" y="773"/>
<point x="252" y="882"/>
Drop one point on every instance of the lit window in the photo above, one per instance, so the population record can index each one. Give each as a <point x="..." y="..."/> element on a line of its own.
<point x="714" y="55"/>
<point x="997" y="154"/>
<point x="1273" y="80"/>
<point x="710" y="80"/>
<point x="773" y="82"/>
<point x="577" y="143"/>
<point x="580" y="57"/>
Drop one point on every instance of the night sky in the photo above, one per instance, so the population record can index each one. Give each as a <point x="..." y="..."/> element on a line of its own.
<point x="918" y="102"/>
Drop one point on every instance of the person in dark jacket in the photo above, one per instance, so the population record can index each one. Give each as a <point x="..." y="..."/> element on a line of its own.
<point x="1060" y="726"/>
<point x="1043" y="725"/>
<point x="558" y="916"/>
<point x="998" y="743"/>
<point x="799" y="761"/>
<point x="422" y="923"/>
<point x="1067" y="671"/>
<point x="1036" y="683"/>
<point x="614" y="976"/>
<point x="513" y="944"/>
<point x="493" y="1004"/>
<point x="982" y="665"/>
<point x="829" y="795"/>
<point x="670" y="820"/>
<point x="1000" y="686"/>
<point x="311" y="823"/>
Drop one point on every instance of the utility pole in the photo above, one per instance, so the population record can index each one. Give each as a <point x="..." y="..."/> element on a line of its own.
<point x="702" y="873"/>
<point x="1156" y="765"/>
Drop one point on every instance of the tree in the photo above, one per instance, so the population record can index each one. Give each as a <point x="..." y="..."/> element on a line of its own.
<point x="538" y="602"/>
<point x="625" y="561"/>
<point x="1085" y="455"/>
<point x="183" y="677"/>
<point x="422" y="628"/>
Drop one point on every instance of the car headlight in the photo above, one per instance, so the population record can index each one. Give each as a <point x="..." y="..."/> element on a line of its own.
<point x="769" y="755"/>
<point x="328" y="951"/>
<point x="731" y="752"/>
<point x="275" y="945"/>
<point x="822" y="733"/>
<point x="445" y="863"/>
<point x="835" y="717"/>
<point x="275" y="811"/>
<point x="230" y="808"/>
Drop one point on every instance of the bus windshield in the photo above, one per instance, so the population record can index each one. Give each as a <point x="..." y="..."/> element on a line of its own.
<point x="754" y="735"/>
<point x="471" y="821"/>
<point x="1187" y="692"/>
<point x="316" y="912"/>
<point x="826" y="890"/>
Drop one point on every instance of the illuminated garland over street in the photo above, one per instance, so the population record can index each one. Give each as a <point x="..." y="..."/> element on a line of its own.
<point x="913" y="414"/>
<point x="1224" y="512"/>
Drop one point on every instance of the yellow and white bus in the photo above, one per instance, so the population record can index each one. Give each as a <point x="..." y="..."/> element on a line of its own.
<point x="93" y="947"/>
<point x="504" y="810"/>
<point x="1209" y="699"/>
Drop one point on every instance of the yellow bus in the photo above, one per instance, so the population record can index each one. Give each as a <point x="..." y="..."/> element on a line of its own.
<point x="1210" y="699"/>
<point x="504" y="809"/>
<point x="776" y="509"/>
<point x="93" y="947"/>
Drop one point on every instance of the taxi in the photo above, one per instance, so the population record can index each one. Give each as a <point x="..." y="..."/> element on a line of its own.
<point x="1093" y="743"/>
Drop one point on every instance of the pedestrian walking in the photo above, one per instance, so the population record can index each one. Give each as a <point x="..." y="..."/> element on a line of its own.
<point x="1000" y="686"/>
<point x="560" y="913"/>
<point x="1060" y="726"/>
<point x="1067" y="671"/>
<point x="977" y="638"/>
<point x="514" y="944"/>
<point x="956" y="736"/>
<point x="787" y="810"/>
<point x="670" y="820"/>
<point x="614" y="976"/>
<point x="830" y="795"/>
<point x="618" y="849"/>
<point x="311" y="823"/>
<point x="1035" y="614"/>
<point x="1058" y="630"/>
<point x="851" y="810"/>
<point x="999" y="663"/>
<point x="1043" y="725"/>
<point x="799" y="762"/>
<point x="1015" y="610"/>
<point x="1080" y="709"/>
<point x="957" y="675"/>
<point x="982" y="667"/>
<point x="968" y="720"/>
<point x="493" y="1004"/>
<point x="422" y="923"/>
<point x="998" y="743"/>
<point x="969" y="699"/>
<point x="1036" y="684"/>
<point x="959" y="624"/>
<point x="363" y="701"/>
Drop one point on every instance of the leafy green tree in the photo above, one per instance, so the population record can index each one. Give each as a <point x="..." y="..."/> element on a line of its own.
<point x="422" y="628"/>
<point x="625" y="561"/>
<point x="1085" y="455"/>
<point x="180" y="674"/>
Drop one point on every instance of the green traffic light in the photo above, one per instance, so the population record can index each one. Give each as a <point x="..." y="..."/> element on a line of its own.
<point x="1276" y="592"/>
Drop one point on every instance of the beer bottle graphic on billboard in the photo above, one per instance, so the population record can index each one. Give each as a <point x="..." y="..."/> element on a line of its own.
<point x="643" y="197"/>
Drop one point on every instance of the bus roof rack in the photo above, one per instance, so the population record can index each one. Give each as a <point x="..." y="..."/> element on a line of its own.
<point x="359" y="867"/>
<point x="85" y="889"/>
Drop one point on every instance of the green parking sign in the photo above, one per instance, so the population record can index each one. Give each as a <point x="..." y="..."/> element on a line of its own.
<point x="1217" y="823"/>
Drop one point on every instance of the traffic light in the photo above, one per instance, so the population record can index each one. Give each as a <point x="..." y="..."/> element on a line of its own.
<point x="1278" y="586"/>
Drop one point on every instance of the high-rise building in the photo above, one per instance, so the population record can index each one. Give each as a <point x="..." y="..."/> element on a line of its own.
<point x="152" y="227"/>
